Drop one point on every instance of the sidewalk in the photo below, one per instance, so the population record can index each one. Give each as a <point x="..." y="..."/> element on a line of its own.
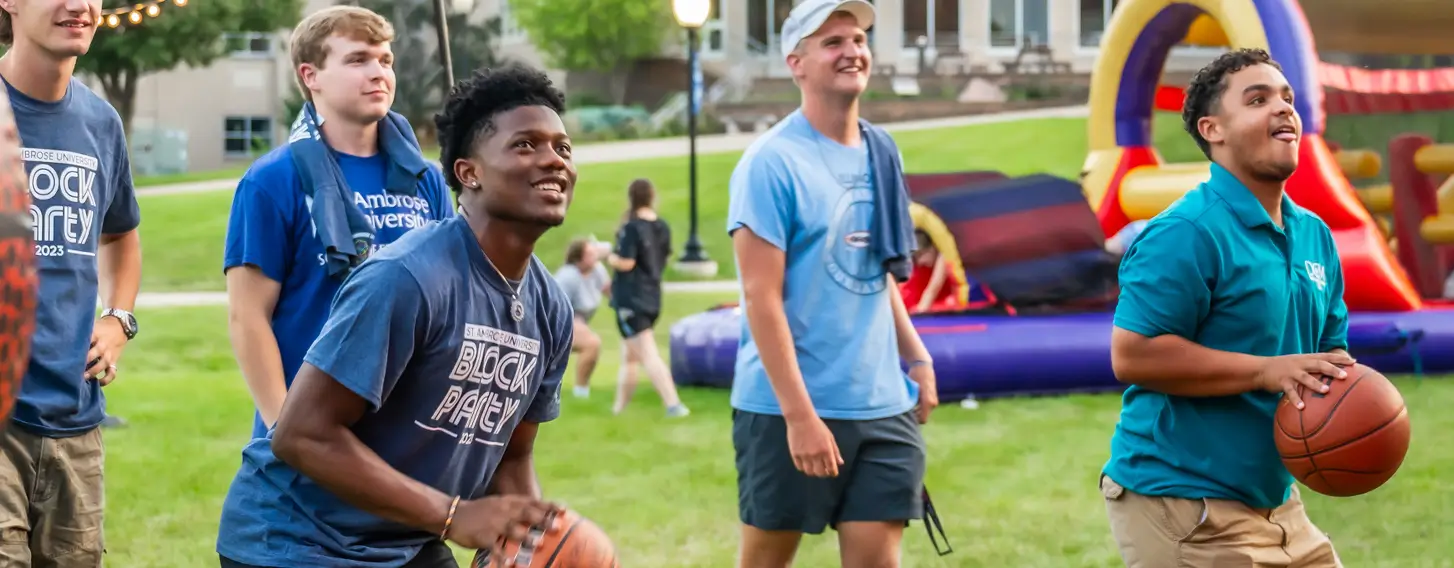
<point x="626" y="150"/>
<point x="192" y="299"/>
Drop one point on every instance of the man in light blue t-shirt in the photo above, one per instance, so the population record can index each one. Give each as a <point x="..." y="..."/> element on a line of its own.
<point x="825" y="422"/>
<point x="414" y="416"/>
<point x="278" y="282"/>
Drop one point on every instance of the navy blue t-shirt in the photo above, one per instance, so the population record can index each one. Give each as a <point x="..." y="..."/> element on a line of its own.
<point x="271" y="227"/>
<point x="80" y="188"/>
<point x="423" y="332"/>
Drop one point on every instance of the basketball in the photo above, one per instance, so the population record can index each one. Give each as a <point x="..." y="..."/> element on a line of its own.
<point x="571" y="541"/>
<point x="17" y="265"/>
<point x="1347" y="441"/>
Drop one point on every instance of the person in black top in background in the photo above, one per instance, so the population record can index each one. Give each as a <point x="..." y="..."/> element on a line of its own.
<point x="643" y="244"/>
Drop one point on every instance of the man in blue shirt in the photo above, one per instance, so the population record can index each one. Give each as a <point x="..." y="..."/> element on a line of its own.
<point x="84" y="222"/>
<point x="1230" y="299"/>
<point x="278" y="282"/>
<point x="825" y="423"/>
<point x="413" y="418"/>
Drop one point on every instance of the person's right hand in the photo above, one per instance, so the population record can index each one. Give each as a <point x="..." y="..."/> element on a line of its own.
<point x="814" y="450"/>
<point x="482" y="523"/>
<point x="1284" y="374"/>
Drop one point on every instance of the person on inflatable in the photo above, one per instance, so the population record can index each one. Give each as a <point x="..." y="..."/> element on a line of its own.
<point x="932" y="286"/>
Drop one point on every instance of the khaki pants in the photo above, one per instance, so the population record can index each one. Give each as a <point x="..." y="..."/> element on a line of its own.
<point x="1165" y="532"/>
<point x="51" y="500"/>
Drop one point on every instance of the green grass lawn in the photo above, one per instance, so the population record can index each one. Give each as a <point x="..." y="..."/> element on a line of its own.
<point x="183" y="234"/>
<point x="1014" y="481"/>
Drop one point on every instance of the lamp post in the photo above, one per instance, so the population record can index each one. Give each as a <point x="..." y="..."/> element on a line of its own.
<point x="692" y="14"/>
<point x="441" y="28"/>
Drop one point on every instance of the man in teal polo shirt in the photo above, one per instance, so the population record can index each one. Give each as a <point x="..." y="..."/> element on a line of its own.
<point x="1229" y="299"/>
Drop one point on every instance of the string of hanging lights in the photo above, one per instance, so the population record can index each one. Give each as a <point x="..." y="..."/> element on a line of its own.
<point x="135" y="13"/>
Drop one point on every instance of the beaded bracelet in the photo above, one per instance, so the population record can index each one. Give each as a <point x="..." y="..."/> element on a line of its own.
<point x="449" y="520"/>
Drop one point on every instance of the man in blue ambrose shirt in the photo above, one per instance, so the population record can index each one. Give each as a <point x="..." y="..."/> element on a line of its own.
<point x="413" y="418"/>
<point x="278" y="282"/>
<point x="1230" y="299"/>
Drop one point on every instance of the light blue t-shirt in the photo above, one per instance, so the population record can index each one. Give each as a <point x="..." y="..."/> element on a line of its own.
<point x="79" y="176"/>
<point x="813" y="198"/>
<point x="423" y="332"/>
<point x="271" y="227"/>
<point x="1214" y="269"/>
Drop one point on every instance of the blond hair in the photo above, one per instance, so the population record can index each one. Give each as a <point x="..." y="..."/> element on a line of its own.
<point x="307" y="45"/>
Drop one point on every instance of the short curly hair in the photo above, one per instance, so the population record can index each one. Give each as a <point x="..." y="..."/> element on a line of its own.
<point x="1210" y="83"/>
<point x="473" y="104"/>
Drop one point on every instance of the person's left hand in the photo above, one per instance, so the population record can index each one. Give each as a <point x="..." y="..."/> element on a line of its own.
<point x="928" y="391"/>
<point x="108" y="340"/>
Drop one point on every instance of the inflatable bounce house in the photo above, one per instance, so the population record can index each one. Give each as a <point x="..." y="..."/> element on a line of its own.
<point x="1023" y="284"/>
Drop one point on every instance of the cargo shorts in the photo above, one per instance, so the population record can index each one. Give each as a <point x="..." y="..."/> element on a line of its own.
<point x="51" y="500"/>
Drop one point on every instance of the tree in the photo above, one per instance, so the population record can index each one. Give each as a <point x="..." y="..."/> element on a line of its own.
<point x="189" y="35"/>
<point x="419" y="83"/>
<point x="605" y="36"/>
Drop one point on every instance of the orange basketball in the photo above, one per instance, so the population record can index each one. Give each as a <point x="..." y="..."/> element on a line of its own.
<point x="571" y="541"/>
<point x="1347" y="441"/>
<point x="17" y="265"/>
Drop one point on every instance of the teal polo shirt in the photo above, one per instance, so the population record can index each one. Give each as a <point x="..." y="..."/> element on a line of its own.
<point x="1213" y="268"/>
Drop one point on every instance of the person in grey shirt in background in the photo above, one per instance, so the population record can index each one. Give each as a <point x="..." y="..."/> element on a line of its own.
<point x="584" y="280"/>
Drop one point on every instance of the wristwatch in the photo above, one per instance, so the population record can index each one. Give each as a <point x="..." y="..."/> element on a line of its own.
<point x="128" y="321"/>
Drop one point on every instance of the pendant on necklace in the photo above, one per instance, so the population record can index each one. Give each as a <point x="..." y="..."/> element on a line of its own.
<point x="517" y="309"/>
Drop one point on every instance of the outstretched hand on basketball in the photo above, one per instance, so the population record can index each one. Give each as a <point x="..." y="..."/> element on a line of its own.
<point x="814" y="450"/>
<point x="482" y="523"/>
<point x="1284" y="374"/>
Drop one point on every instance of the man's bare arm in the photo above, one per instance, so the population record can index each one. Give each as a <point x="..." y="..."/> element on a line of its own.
<point x="761" y="266"/>
<point x="911" y="346"/>
<point x="516" y="472"/>
<point x="251" y="297"/>
<point x="314" y="436"/>
<point x="119" y="268"/>
<point x="1173" y="365"/>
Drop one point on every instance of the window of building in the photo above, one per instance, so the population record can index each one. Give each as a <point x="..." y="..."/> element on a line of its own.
<point x="1094" y="17"/>
<point x="247" y="136"/>
<point x="1019" y="23"/>
<point x="936" y="20"/>
<point x="248" y="44"/>
<point x="765" y="24"/>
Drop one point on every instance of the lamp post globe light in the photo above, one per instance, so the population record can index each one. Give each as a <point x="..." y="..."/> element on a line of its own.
<point x="692" y="15"/>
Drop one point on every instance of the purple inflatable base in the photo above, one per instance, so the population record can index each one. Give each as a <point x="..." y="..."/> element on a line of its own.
<point x="987" y="356"/>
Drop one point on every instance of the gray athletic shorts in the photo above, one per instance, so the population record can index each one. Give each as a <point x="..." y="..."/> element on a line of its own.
<point x="881" y="479"/>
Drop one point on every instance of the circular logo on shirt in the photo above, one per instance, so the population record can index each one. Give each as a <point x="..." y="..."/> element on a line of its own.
<point x="849" y="258"/>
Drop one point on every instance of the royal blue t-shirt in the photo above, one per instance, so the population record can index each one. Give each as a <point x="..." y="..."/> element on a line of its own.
<point x="271" y="227"/>
<point x="80" y="188"/>
<point x="423" y="332"/>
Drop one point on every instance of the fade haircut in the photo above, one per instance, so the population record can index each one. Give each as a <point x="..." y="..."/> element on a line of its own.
<point x="469" y="114"/>
<point x="308" y="42"/>
<point x="1210" y="83"/>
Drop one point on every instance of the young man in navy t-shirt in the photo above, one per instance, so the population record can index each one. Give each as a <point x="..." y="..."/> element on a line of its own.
<point x="414" y="417"/>
<point x="278" y="284"/>
<point x="84" y="222"/>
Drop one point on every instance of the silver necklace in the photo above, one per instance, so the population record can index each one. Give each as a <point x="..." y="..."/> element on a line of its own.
<point x="517" y="309"/>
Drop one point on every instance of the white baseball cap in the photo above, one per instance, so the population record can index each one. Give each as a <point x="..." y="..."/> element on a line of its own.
<point x="809" y="15"/>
